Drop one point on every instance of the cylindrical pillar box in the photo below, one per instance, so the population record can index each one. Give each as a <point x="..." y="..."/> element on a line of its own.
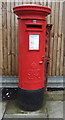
<point x="31" y="51"/>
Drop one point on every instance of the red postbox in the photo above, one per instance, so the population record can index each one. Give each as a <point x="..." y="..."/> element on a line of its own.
<point x="31" y="54"/>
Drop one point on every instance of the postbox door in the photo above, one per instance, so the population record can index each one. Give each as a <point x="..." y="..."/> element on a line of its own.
<point x="31" y="64"/>
<point x="36" y="51"/>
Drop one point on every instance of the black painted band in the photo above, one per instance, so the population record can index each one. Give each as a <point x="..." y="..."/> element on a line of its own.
<point x="30" y="100"/>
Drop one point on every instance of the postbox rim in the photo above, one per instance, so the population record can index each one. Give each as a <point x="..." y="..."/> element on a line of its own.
<point x="32" y="7"/>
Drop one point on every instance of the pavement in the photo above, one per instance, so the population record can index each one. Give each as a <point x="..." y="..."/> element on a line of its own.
<point x="2" y="108"/>
<point x="53" y="107"/>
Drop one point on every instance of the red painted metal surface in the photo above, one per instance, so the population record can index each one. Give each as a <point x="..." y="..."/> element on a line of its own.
<point x="31" y="28"/>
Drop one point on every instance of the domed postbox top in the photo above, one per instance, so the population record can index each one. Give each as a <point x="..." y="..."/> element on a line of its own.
<point x="30" y="11"/>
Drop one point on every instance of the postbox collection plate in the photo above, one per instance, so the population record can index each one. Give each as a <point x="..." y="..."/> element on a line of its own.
<point x="34" y="42"/>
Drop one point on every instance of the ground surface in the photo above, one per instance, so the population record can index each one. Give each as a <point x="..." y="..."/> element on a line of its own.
<point x="53" y="107"/>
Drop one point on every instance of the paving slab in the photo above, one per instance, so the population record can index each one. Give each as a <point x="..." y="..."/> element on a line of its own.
<point x="2" y="108"/>
<point x="64" y="110"/>
<point x="55" y="109"/>
<point x="13" y="111"/>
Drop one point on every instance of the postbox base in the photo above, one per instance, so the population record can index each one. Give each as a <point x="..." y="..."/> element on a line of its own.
<point x="30" y="100"/>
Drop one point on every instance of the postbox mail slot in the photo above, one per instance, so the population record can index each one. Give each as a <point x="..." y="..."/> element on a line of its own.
<point x="34" y="26"/>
